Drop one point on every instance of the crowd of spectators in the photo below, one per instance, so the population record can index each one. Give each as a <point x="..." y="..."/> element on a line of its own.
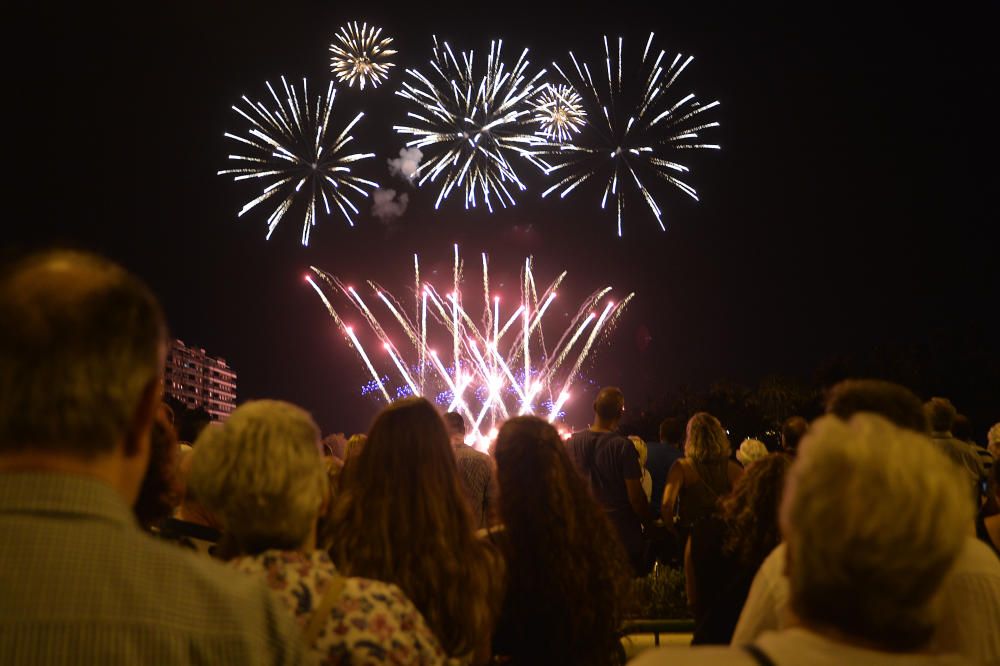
<point x="870" y="536"/>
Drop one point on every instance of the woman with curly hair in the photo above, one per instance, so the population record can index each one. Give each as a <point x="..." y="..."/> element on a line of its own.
<point x="567" y="573"/>
<point x="724" y="552"/>
<point x="400" y="517"/>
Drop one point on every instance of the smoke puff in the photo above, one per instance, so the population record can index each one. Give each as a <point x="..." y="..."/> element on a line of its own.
<point x="387" y="206"/>
<point x="406" y="164"/>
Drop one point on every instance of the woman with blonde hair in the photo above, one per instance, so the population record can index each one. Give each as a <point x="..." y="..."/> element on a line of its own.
<point x="697" y="481"/>
<point x="400" y="516"/>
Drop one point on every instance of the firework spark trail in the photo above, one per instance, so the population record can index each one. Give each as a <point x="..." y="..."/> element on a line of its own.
<point x="360" y="55"/>
<point x="587" y="346"/>
<point x="481" y="383"/>
<point x="626" y="138"/>
<point x="473" y="126"/>
<point x="292" y="152"/>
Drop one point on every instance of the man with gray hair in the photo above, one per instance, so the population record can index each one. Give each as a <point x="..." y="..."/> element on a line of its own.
<point x="970" y="594"/>
<point x="872" y="518"/>
<point x="82" y="348"/>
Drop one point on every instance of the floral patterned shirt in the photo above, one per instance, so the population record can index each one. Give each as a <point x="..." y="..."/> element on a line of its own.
<point x="372" y="622"/>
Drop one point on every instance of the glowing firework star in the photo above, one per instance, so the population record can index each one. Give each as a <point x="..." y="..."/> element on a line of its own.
<point x="497" y="366"/>
<point x="559" y="113"/>
<point x="360" y="55"/>
<point x="291" y="151"/>
<point x="472" y="128"/>
<point x="632" y="133"/>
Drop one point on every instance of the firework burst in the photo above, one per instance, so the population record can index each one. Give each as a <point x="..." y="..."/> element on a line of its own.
<point x="294" y="154"/>
<point x="498" y="365"/>
<point x="636" y="130"/>
<point x="360" y="56"/>
<point x="474" y="128"/>
<point x="559" y="113"/>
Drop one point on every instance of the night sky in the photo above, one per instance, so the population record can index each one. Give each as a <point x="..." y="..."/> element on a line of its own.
<point x="850" y="210"/>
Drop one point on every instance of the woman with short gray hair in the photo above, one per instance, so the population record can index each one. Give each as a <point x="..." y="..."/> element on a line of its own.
<point x="263" y="476"/>
<point x="874" y="519"/>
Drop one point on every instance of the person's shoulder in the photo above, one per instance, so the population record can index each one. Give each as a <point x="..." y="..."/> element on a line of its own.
<point x="466" y="451"/>
<point x="773" y="566"/>
<point x="199" y="576"/>
<point x="378" y="591"/>
<point x="977" y="559"/>
<point x="617" y="440"/>
<point x="811" y="648"/>
<point x="676" y="655"/>
<point x="369" y="596"/>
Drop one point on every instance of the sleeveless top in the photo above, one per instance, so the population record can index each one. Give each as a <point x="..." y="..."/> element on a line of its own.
<point x="700" y="499"/>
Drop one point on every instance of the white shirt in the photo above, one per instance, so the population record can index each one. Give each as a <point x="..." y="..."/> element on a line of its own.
<point x="794" y="646"/>
<point x="970" y="604"/>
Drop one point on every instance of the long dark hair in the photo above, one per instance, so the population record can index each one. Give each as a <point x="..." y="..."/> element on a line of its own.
<point x="751" y="510"/>
<point x="158" y="494"/>
<point x="567" y="582"/>
<point x="400" y="516"/>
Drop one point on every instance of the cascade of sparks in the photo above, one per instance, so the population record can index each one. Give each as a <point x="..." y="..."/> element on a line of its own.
<point x="635" y="129"/>
<point x="360" y="56"/>
<point x="291" y="150"/>
<point x="498" y="365"/>
<point x="559" y="113"/>
<point x="473" y="128"/>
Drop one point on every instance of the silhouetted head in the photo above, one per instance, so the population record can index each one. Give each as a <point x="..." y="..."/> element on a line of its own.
<point x="940" y="414"/>
<point x="792" y="431"/>
<point x="455" y="425"/>
<point x="672" y="431"/>
<point x="609" y="406"/>
<point x="82" y="348"/>
<point x="891" y="401"/>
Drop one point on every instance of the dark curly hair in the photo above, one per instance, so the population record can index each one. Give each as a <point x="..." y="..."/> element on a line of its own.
<point x="751" y="510"/>
<point x="567" y="581"/>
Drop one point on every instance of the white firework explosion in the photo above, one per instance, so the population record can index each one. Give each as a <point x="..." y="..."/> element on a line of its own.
<point x="360" y="55"/>
<point x="473" y="128"/>
<point x="635" y="131"/>
<point x="559" y="113"/>
<point x="292" y="151"/>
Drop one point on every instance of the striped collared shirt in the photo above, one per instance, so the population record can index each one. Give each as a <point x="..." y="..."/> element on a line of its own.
<point x="80" y="583"/>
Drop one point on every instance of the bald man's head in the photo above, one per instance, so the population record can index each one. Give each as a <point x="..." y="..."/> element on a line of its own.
<point x="82" y="341"/>
<point x="609" y="405"/>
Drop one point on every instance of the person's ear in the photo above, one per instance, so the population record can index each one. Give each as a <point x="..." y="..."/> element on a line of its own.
<point x="141" y="424"/>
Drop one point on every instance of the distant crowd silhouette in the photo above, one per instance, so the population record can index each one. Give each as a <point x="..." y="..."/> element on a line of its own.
<point x="870" y="536"/>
